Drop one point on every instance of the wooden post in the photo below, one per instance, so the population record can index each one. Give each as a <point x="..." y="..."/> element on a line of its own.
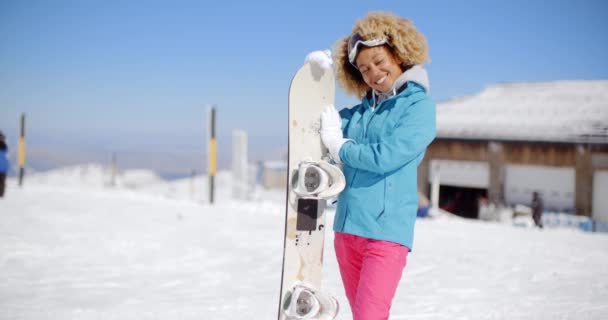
<point x="496" y="160"/>
<point x="435" y="186"/>
<point x="583" y="181"/>
<point x="423" y="176"/>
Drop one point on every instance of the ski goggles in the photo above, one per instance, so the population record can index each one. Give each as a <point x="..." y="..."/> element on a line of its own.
<point x="357" y="40"/>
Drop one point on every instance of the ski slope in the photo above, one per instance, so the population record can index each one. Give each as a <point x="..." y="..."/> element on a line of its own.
<point x="73" y="248"/>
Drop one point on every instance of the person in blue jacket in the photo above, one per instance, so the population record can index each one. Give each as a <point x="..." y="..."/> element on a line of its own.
<point x="380" y="142"/>
<point x="4" y="165"/>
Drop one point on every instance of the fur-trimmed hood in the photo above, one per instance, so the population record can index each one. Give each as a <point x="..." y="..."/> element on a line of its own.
<point x="415" y="74"/>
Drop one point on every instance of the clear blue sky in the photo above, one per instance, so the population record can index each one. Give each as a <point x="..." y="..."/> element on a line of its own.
<point x="138" y="74"/>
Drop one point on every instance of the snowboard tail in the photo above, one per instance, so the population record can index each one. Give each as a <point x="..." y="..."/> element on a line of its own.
<point x="303" y="302"/>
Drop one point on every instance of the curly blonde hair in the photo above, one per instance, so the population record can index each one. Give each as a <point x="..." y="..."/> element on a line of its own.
<point x="407" y="44"/>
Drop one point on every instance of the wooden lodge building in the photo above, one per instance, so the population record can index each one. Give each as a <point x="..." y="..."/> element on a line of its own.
<point x="513" y="139"/>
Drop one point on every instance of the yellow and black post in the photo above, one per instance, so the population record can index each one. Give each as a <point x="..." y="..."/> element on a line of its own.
<point x="21" y="155"/>
<point x="212" y="153"/>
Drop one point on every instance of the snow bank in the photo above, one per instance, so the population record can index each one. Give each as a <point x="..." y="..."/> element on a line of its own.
<point x="91" y="252"/>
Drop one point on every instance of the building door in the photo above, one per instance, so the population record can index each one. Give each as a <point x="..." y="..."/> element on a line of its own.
<point x="600" y="198"/>
<point x="554" y="184"/>
<point x="463" y="185"/>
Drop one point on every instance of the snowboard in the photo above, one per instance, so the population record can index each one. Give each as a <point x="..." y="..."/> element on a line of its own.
<point x="311" y="180"/>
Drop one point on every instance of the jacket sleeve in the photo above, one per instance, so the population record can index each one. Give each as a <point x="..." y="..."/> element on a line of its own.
<point x="414" y="132"/>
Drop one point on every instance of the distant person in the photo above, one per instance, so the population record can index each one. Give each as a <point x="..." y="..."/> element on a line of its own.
<point x="537" y="209"/>
<point x="4" y="165"/>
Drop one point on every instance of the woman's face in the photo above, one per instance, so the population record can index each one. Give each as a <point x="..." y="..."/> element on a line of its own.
<point x="378" y="67"/>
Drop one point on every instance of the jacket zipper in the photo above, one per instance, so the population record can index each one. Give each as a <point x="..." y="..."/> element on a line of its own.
<point x="374" y="111"/>
<point x="368" y="123"/>
<point x="365" y="137"/>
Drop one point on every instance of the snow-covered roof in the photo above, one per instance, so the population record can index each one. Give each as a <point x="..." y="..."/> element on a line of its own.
<point x="559" y="111"/>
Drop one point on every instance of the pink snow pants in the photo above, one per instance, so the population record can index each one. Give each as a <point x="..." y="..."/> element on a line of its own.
<point x="371" y="270"/>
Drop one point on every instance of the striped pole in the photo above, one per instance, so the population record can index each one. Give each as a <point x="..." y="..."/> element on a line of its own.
<point x="21" y="155"/>
<point x="212" y="152"/>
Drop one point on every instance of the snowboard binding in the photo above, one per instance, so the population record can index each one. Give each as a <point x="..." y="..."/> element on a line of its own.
<point x="317" y="180"/>
<point x="305" y="303"/>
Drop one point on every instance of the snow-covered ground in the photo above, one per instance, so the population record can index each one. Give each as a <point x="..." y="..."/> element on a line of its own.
<point x="73" y="248"/>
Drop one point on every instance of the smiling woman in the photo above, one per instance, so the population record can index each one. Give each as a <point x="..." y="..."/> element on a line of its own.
<point x="380" y="142"/>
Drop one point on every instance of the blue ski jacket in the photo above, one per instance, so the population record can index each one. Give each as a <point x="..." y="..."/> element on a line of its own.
<point x="380" y="199"/>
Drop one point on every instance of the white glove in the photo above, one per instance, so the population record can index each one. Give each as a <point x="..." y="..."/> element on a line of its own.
<point x="321" y="58"/>
<point x="331" y="132"/>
